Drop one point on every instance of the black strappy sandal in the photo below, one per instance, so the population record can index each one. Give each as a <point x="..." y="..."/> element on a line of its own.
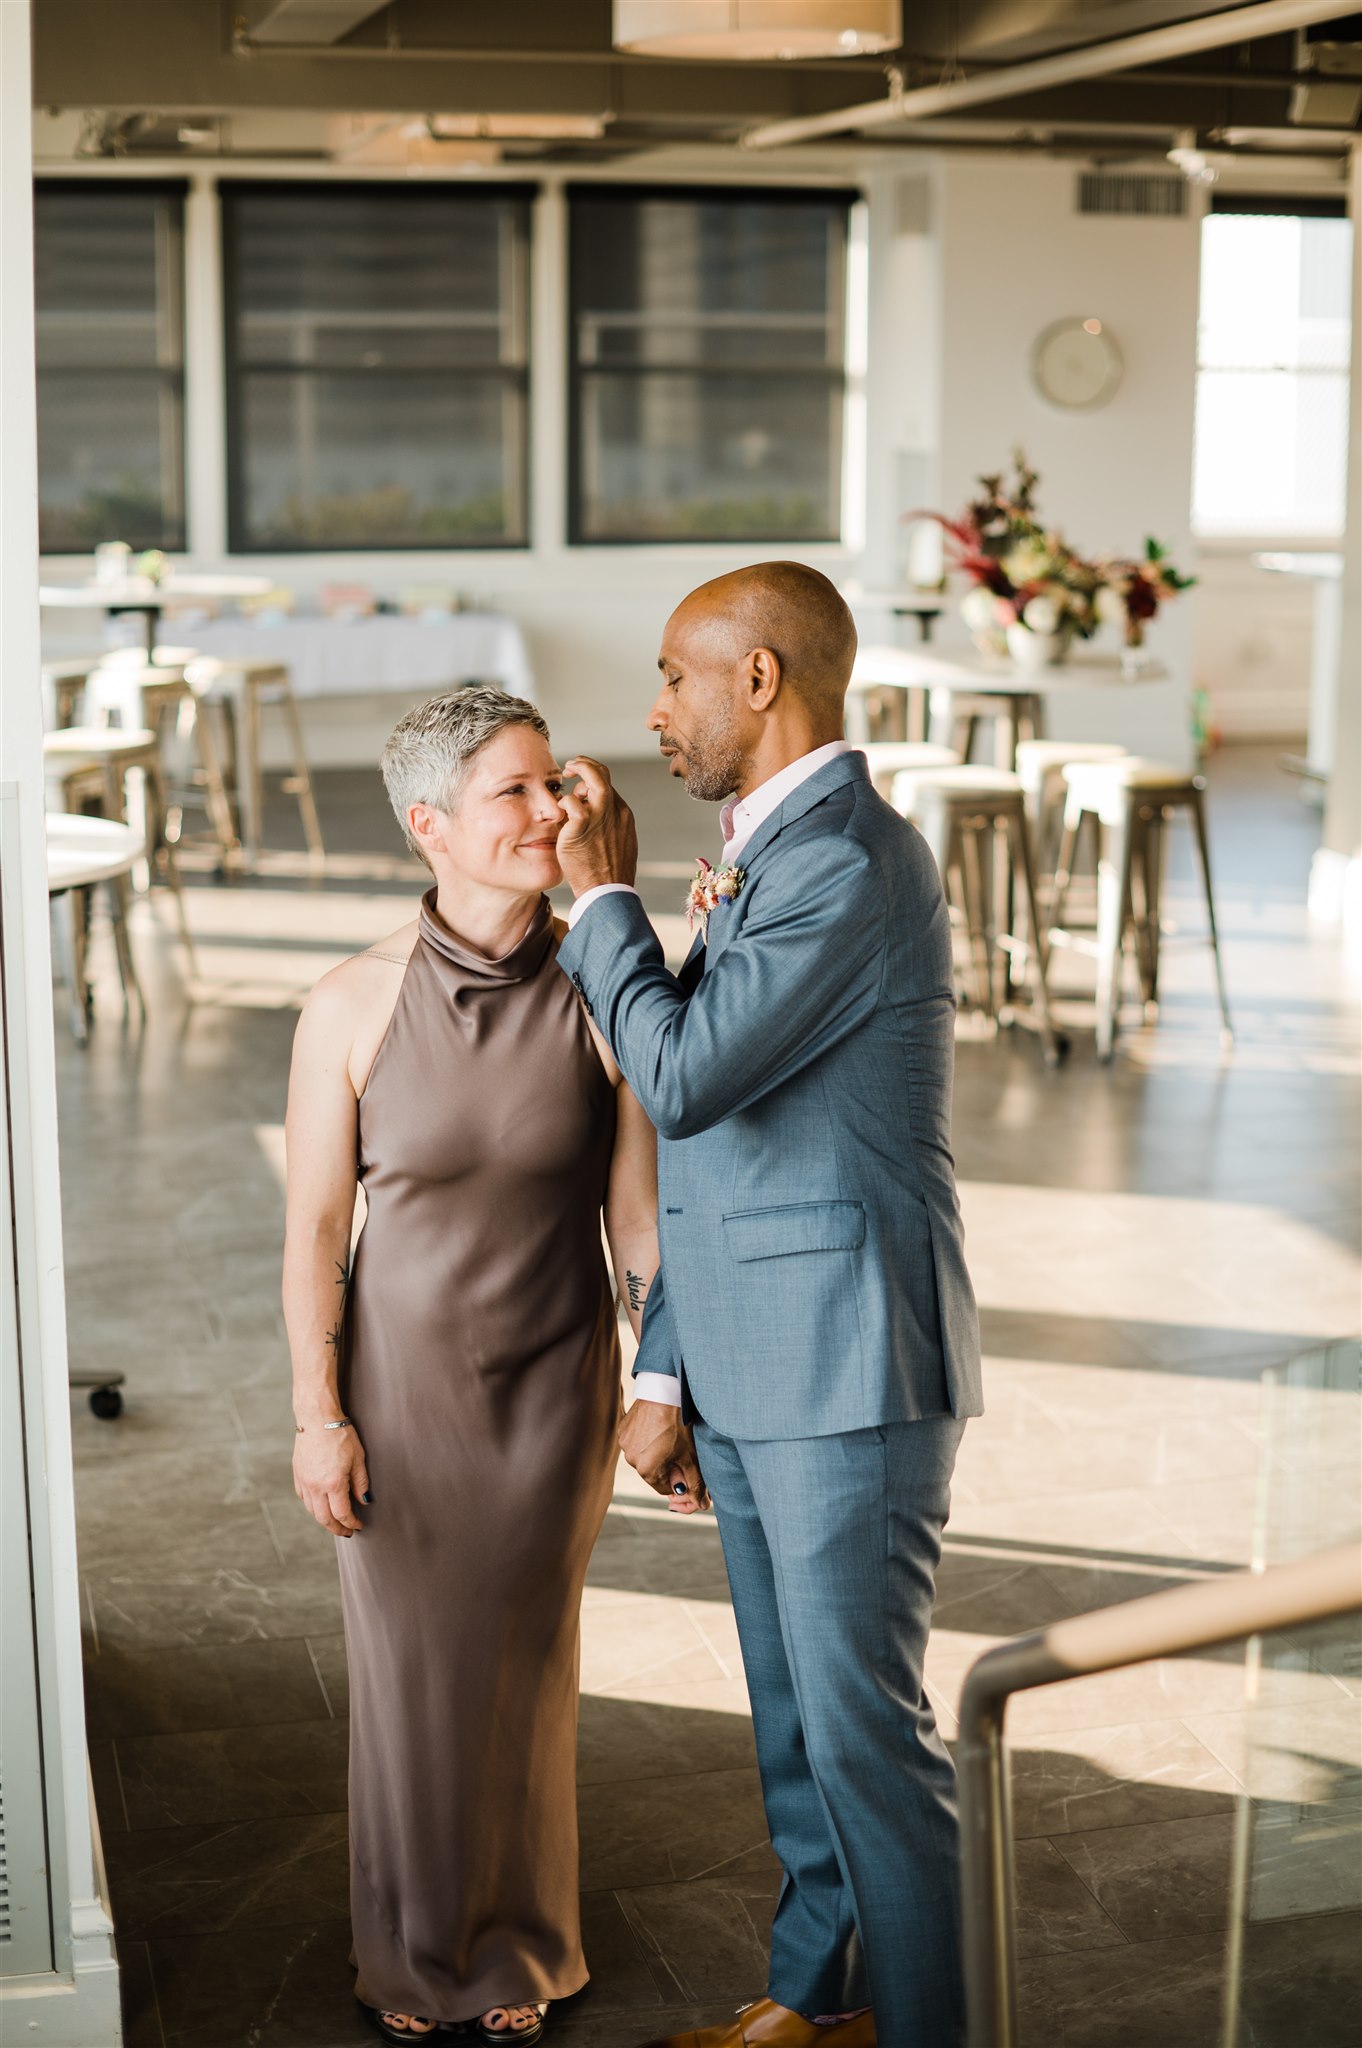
<point x="402" y="2037"/>
<point x="498" y="2037"/>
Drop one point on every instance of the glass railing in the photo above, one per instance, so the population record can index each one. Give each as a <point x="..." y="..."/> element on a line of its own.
<point x="1261" y="1945"/>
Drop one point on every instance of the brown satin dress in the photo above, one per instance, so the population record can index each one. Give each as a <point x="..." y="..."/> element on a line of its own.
<point x="481" y="1367"/>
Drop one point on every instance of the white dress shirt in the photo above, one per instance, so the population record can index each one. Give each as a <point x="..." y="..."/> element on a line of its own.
<point x="739" y="819"/>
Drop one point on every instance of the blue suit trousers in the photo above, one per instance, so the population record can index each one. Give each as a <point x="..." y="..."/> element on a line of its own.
<point x="832" y="1545"/>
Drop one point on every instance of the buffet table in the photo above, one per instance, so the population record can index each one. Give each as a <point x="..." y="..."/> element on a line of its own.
<point x="360" y="657"/>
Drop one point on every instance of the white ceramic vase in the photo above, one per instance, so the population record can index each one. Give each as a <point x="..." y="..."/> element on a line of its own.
<point x="1036" y="650"/>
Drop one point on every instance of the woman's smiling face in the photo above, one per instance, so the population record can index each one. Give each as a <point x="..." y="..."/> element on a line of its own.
<point x="503" y="832"/>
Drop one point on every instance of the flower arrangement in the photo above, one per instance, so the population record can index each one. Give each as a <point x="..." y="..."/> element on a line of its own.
<point x="1030" y="588"/>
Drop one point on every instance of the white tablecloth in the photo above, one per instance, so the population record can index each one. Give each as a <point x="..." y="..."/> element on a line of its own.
<point x="338" y="658"/>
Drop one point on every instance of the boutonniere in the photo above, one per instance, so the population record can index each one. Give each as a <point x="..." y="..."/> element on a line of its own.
<point x="711" y="887"/>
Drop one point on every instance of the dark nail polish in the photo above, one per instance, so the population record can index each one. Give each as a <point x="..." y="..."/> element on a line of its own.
<point x="368" y="1500"/>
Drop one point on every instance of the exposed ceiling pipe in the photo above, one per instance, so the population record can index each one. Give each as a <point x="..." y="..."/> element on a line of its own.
<point x="1153" y="46"/>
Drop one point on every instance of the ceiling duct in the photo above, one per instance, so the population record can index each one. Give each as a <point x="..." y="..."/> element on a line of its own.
<point x="757" y="29"/>
<point x="1332" y="52"/>
<point x="310" y="21"/>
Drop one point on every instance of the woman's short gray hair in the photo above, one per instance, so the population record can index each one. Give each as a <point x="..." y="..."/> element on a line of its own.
<point x="430" y="752"/>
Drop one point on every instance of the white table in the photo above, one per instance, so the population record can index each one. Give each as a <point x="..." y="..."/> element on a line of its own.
<point x="81" y="854"/>
<point x="1325" y="571"/>
<point x="140" y="594"/>
<point x="1094" y="685"/>
<point x="351" y="658"/>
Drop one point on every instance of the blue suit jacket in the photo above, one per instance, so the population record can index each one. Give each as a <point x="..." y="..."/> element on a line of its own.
<point x="799" y="1075"/>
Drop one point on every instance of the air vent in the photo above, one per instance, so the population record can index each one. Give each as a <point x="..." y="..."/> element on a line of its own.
<point x="1132" y="192"/>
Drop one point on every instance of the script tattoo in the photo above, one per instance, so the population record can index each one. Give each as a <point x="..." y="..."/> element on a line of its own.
<point x="637" y="1288"/>
<point x="333" y="1335"/>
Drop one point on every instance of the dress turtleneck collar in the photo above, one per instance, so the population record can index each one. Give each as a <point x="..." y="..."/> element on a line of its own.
<point x="523" y="961"/>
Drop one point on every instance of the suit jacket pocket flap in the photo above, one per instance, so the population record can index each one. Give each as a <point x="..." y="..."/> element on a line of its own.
<point x="795" y="1227"/>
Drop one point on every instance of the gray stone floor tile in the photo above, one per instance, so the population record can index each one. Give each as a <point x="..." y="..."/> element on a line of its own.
<point x="1158" y="1879"/>
<point x="260" y="1987"/>
<point x="132" y="1690"/>
<point x="230" y="1774"/>
<point x="243" y="1874"/>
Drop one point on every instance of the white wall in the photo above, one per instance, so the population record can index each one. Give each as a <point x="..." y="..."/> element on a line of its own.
<point x="75" y="2003"/>
<point x="1016" y="255"/>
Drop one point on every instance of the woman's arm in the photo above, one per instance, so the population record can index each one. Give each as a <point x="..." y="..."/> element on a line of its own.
<point x="631" y="1205"/>
<point x="329" y="1473"/>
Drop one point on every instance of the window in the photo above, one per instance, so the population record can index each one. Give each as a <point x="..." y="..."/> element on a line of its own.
<point x="1272" y="379"/>
<point x="377" y="366"/>
<point x="707" y="364"/>
<point x="108" y="281"/>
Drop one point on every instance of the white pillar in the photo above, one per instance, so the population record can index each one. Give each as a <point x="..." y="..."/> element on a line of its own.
<point x="1336" y="871"/>
<point x="69" y="1999"/>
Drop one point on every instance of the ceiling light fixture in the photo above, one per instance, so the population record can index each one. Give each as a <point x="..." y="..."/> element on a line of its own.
<point x="758" y="29"/>
<point x="1195" y="165"/>
<point x="516" y="127"/>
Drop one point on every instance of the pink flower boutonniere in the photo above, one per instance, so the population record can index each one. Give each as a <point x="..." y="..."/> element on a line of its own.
<point x="711" y="887"/>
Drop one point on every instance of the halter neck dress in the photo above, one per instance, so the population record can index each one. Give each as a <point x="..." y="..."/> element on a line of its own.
<point x="481" y="1367"/>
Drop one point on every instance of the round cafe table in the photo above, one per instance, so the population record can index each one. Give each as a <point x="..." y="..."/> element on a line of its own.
<point x="85" y="853"/>
<point x="140" y="595"/>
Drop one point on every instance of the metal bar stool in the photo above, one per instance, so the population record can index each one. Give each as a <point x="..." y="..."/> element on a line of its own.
<point x="1132" y="800"/>
<point x="247" y="686"/>
<point x="1015" y="715"/>
<point x="63" y="686"/>
<point x="1041" y="765"/>
<point x="96" y="761"/>
<point x="965" y="812"/>
<point x="87" y="853"/>
<point x="887" y="759"/>
<point x="158" y="695"/>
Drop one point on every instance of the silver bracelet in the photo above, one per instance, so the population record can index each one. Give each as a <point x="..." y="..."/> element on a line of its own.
<point x="344" y="1423"/>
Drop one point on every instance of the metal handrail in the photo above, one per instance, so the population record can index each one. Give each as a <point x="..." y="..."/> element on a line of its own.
<point x="1195" y="1617"/>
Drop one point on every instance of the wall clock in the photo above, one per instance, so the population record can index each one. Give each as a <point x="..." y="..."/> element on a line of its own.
<point x="1076" y="364"/>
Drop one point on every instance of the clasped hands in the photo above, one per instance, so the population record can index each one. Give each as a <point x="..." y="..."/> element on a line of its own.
<point x="661" y="1449"/>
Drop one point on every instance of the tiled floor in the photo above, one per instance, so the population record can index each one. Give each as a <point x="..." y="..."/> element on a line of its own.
<point x="1146" y="1239"/>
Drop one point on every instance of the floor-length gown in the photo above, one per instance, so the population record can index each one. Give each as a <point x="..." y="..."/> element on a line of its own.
<point x="481" y="1368"/>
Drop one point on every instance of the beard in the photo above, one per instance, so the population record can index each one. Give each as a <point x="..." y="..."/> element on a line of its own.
<point x="715" y="759"/>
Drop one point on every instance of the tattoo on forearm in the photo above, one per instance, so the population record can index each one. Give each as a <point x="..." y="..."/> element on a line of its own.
<point x="333" y="1340"/>
<point x="637" y="1288"/>
<point x="343" y="1270"/>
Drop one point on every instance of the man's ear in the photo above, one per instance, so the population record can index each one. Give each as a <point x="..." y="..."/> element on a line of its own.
<point x="763" y="678"/>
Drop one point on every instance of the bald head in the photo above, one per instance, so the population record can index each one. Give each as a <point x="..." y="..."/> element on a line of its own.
<point x="787" y="607"/>
<point x="755" y="667"/>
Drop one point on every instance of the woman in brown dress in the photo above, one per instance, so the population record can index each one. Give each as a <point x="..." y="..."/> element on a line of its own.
<point x="457" y="1387"/>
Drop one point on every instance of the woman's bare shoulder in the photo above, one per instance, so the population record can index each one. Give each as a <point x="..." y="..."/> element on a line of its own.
<point x="345" y="992"/>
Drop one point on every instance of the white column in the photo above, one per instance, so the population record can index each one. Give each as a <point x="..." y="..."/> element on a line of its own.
<point x="206" y="376"/>
<point x="1336" y="871"/>
<point x="548" y="373"/>
<point x="75" y="2003"/>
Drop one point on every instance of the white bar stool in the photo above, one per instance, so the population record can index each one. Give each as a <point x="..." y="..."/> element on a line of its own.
<point x="87" y="853"/>
<point x="887" y="759"/>
<point x="1041" y="765"/>
<point x="246" y="687"/>
<point x="964" y="812"/>
<point x="1132" y="799"/>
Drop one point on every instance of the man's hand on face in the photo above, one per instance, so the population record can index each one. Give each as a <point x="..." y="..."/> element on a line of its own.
<point x="661" y="1449"/>
<point x="599" y="841"/>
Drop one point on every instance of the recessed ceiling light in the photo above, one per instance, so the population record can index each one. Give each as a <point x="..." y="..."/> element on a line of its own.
<point x="757" y="29"/>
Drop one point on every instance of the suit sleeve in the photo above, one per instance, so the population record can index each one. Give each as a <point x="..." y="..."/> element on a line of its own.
<point x="656" y="1345"/>
<point x="802" y="973"/>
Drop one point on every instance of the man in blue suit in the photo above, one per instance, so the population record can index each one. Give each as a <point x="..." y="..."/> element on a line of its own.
<point x="810" y="1346"/>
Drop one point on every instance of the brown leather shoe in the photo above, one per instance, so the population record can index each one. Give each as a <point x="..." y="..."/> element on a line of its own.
<point x="764" y="2024"/>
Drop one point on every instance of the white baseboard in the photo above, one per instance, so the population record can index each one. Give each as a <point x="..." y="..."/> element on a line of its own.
<point x="81" y="2011"/>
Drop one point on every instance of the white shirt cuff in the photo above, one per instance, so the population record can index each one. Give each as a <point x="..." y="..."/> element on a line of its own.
<point x="657" y="1386"/>
<point x="590" y="895"/>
